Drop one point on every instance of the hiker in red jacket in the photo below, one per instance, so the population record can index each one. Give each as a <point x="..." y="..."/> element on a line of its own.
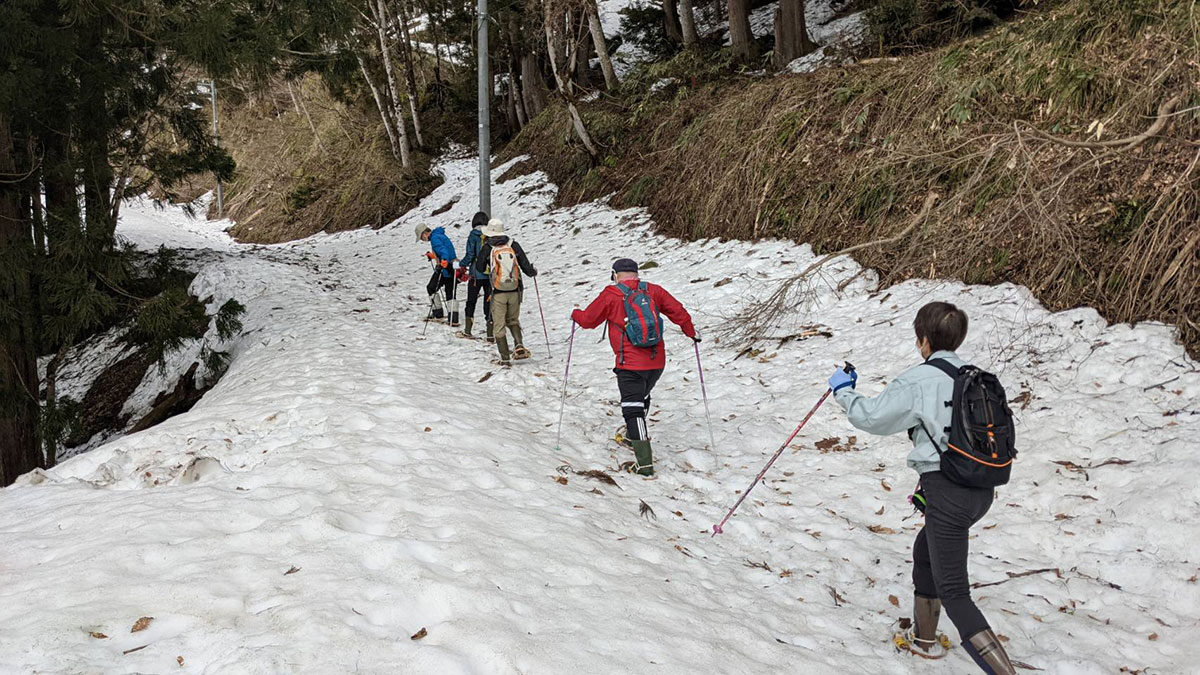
<point x="631" y="309"/>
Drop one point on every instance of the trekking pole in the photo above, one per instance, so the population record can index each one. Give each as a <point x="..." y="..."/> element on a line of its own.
<point x="712" y="443"/>
<point x="544" y="331"/>
<point x="429" y="314"/>
<point x="717" y="528"/>
<point x="562" y="404"/>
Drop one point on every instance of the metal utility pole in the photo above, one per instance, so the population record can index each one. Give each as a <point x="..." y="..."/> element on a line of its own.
<point x="212" y="91"/>
<point x="485" y="93"/>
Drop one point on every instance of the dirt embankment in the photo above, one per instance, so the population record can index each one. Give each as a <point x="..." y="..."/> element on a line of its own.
<point x="1064" y="150"/>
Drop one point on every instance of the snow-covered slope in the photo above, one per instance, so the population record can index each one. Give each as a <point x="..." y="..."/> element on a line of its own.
<point x="357" y="479"/>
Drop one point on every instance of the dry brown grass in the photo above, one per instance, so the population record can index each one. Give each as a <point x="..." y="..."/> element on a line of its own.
<point x="845" y="155"/>
<point x="291" y="183"/>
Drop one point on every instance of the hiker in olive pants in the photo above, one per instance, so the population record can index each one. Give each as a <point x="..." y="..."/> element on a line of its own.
<point x="506" y="263"/>
<point x="506" y="314"/>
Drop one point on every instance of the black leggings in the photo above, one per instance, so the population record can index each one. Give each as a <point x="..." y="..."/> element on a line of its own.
<point x="635" y="386"/>
<point x="940" y="551"/>
<point x="474" y="286"/>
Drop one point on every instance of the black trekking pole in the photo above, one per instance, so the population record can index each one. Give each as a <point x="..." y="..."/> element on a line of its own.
<point x="428" y="315"/>
<point x="717" y="528"/>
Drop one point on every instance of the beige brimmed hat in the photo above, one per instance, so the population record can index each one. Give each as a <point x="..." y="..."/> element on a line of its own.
<point x="494" y="228"/>
<point x="422" y="229"/>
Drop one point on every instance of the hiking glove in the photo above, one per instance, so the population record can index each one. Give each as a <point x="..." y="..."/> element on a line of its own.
<point x="454" y="264"/>
<point x="842" y="379"/>
<point x="696" y="336"/>
<point x="430" y="255"/>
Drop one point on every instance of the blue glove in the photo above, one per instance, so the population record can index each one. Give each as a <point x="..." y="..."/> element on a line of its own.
<point x="841" y="379"/>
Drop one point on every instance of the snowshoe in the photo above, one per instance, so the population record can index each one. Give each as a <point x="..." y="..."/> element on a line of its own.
<point x="905" y="641"/>
<point x="464" y="335"/>
<point x="521" y="353"/>
<point x="619" y="437"/>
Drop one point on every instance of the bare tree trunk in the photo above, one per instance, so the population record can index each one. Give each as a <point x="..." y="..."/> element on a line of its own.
<point x="580" y="129"/>
<point x="514" y="81"/>
<point x="791" y="33"/>
<point x="745" y="51"/>
<point x="383" y="110"/>
<point x="386" y="54"/>
<point x="312" y="127"/>
<point x="610" y="75"/>
<point x="532" y="85"/>
<point x="293" y="94"/>
<point x="49" y="441"/>
<point x="687" y="19"/>
<point x="35" y="211"/>
<point x="577" y="61"/>
<point x="671" y="18"/>
<point x="19" y="451"/>
<point x="510" y="106"/>
<point x="410" y="73"/>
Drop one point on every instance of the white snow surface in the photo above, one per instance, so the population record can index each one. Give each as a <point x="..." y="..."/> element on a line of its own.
<point x="369" y="455"/>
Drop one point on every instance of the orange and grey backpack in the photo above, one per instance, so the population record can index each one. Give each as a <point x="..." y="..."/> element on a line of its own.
<point x="982" y="437"/>
<point x="505" y="272"/>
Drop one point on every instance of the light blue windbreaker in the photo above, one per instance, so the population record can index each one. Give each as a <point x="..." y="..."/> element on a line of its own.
<point x="918" y="395"/>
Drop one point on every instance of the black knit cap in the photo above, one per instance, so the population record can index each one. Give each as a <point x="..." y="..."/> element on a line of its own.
<point x="625" y="265"/>
<point x="479" y="220"/>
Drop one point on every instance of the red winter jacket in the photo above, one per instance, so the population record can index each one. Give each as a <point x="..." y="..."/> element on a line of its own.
<point x="610" y="306"/>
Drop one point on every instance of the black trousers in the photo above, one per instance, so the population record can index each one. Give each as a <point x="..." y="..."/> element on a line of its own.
<point x="438" y="280"/>
<point x="940" y="551"/>
<point x="474" y="286"/>
<point x="635" y="387"/>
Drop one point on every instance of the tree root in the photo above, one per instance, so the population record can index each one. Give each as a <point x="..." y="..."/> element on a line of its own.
<point x="1160" y="122"/>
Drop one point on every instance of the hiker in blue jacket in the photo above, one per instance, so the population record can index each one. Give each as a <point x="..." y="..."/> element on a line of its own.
<point x="476" y="281"/>
<point x="445" y="266"/>
<point x="917" y="401"/>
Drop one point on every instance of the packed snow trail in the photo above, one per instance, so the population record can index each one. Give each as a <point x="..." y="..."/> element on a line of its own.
<point x="349" y="483"/>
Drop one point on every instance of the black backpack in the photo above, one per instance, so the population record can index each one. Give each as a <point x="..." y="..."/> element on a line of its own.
<point x="981" y="447"/>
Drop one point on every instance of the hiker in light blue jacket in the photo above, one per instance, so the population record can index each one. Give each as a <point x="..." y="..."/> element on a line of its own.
<point x="918" y="402"/>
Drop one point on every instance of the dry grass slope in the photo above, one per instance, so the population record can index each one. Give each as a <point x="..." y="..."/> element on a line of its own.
<point x="1064" y="149"/>
<point x="292" y="182"/>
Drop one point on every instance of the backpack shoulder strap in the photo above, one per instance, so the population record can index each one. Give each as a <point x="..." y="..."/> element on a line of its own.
<point x="944" y="366"/>
<point x="625" y="290"/>
<point x="642" y="286"/>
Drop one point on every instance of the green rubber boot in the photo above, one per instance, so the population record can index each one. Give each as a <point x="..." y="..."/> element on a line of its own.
<point x="502" y="347"/>
<point x="645" y="457"/>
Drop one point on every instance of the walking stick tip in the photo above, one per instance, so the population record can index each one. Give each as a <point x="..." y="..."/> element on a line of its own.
<point x="717" y="530"/>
